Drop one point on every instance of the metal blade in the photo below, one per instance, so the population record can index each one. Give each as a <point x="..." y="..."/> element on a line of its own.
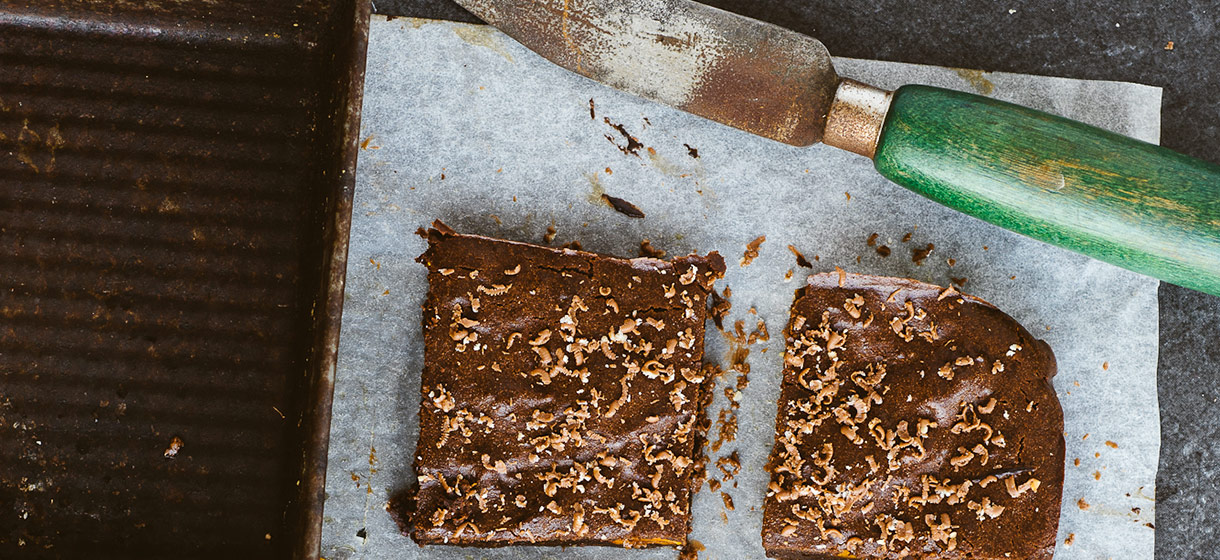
<point x="751" y="75"/>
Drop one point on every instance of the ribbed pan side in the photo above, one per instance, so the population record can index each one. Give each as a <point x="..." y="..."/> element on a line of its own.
<point x="162" y="208"/>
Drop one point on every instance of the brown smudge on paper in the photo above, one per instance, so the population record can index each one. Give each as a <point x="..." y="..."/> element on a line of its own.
<point x="977" y="79"/>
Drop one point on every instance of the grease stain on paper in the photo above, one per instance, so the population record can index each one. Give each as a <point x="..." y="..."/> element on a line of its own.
<point x="978" y="80"/>
<point x="483" y="36"/>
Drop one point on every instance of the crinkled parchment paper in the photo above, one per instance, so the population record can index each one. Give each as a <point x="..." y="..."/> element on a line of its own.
<point x="464" y="125"/>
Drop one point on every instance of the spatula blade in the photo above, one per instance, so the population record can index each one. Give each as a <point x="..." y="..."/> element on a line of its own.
<point x="748" y="74"/>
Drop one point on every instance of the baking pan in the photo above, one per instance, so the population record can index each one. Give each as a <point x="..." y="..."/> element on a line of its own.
<point x="175" y="194"/>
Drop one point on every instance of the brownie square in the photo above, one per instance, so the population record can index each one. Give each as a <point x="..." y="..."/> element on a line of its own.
<point x="561" y="395"/>
<point x="913" y="422"/>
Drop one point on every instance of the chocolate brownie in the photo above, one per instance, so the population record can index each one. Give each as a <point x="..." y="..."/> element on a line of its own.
<point x="914" y="422"/>
<point x="561" y="395"/>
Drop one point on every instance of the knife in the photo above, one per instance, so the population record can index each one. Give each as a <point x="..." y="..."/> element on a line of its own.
<point x="1130" y="203"/>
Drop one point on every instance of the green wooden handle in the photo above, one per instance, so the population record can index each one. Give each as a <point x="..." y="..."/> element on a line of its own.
<point x="1116" y="199"/>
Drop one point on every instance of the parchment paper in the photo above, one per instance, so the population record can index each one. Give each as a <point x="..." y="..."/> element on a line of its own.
<point x="464" y="125"/>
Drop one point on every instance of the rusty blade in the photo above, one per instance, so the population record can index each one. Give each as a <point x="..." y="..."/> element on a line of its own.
<point x="747" y="74"/>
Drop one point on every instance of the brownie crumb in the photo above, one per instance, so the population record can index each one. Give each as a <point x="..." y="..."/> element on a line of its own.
<point x="693" y="152"/>
<point x="919" y="255"/>
<point x="728" y="501"/>
<point x="550" y="235"/>
<point x="592" y="112"/>
<point x="623" y="207"/>
<point x="872" y="240"/>
<point x="691" y="550"/>
<point x="800" y="258"/>
<point x="727" y="426"/>
<point x="730" y="465"/>
<point x="720" y="307"/>
<point x="907" y="238"/>
<point x="883" y="250"/>
<point x="647" y="250"/>
<point x="752" y="250"/>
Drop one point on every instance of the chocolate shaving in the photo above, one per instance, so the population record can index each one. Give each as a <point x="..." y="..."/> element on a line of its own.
<point x="633" y="144"/>
<point x="623" y="207"/>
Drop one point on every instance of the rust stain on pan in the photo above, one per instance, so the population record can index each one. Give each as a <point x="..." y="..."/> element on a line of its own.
<point x="175" y="196"/>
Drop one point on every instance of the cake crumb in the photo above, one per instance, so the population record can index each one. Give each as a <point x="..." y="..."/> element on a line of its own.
<point x="1082" y="504"/>
<point x="1070" y="540"/>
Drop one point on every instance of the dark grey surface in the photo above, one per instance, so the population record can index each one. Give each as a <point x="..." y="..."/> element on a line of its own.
<point x="1078" y="39"/>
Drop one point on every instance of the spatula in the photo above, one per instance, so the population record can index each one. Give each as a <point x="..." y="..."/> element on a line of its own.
<point x="1133" y="204"/>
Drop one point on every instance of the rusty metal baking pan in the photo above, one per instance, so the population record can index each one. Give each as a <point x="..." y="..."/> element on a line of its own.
<point x="175" y="193"/>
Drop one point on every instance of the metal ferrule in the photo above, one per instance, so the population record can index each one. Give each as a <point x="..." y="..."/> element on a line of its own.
<point x="856" y="117"/>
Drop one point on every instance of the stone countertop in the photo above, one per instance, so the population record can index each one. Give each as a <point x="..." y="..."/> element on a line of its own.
<point x="1174" y="45"/>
